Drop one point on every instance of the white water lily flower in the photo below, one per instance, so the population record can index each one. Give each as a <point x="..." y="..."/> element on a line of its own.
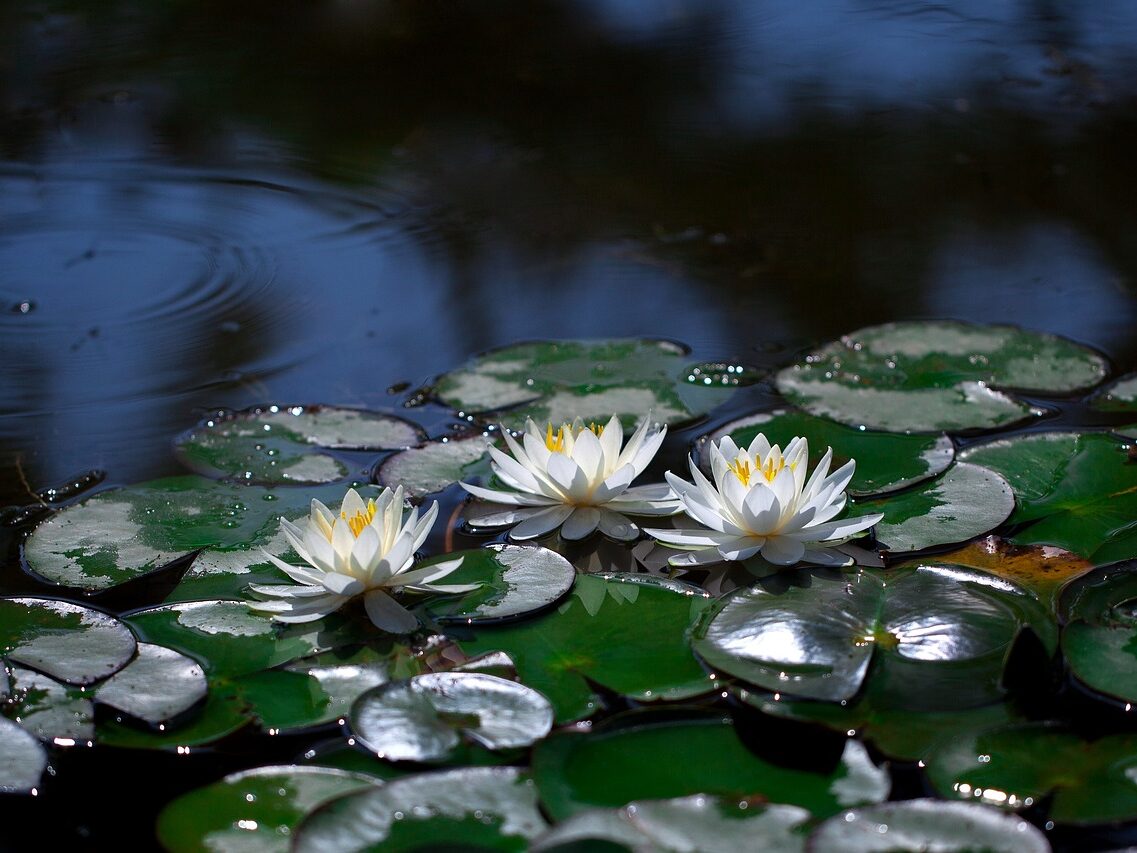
<point x="365" y="549"/>
<point x="761" y="502"/>
<point x="578" y="479"/>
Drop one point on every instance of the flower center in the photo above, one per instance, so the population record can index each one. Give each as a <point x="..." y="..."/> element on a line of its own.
<point x="741" y="469"/>
<point x="555" y="441"/>
<point x="360" y="519"/>
<point x="769" y="469"/>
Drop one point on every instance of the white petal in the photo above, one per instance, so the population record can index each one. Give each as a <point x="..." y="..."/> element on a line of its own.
<point x="589" y="456"/>
<point x="568" y="477"/>
<point x="696" y="558"/>
<point x="841" y="529"/>
<point x="345" y="585"/>
<point x="581" y="523"/>
<point x="489" y="520"/>
<point x="610" y="440"/>
<point x="288" y="591"/>
<point x="365" y="554"/>
<point x="614" y="525"/>
<point x="783" y="550"/>
<point x="395" y="561"/>
<point x="387" y="614"/>
<point x="426" y="575"/>
<point x="738" y="551"/>
<point x="691" y="538"/>
<point x="300" y="574"/>
<point x="615" y="484"/>
<point x="512" y="470"/>
<point x="541" y="523"/>
<point x="511" y="498"/>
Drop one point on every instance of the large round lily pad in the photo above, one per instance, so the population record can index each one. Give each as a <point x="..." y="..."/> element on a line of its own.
<point x="885" y="461"/>
<point x="284" y="444"/>
<point x="472" y="808"/>
<point x="936" y="636"/>
<point x="253" y="809"/>
<point x="22" y="759"/>
<point x="1077" y="491"/>
<point x="933" y="376"/>
<point x="555" y="381"/>
<point x="426" y="717"/>
<point x="158" y="685"/>
<point x="1099" y="639"/>
<point x="599" y="635"/>
<point x="72" y="643"/>
<point x="436" y="465"/>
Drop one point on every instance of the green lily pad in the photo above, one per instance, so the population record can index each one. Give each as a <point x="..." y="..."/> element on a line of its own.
<point x="1118" y="396"/>
<point x="22" y="759"/>
<point x="936" y="636"/>
<point x="158" y="685"/>
<point x="1014" y="767"/>
<point x="967" y="501"/>
<point x="282" y="444"/>
<point x="473" y="808"/>
<point x="613" y="765"/>
<point x="1077" y="491"/>
<point x="513" y="580"/>
<point x="51" y="710"/>
<point x="698" y="822"/>
<point x="72" y="643"/>
<point x="927" y="825"/>
<point x="255" y="809"/>
<point x="557" y="381"/>
<point x="1099" y="640"/>
<point x="223" y="713"/>
<point x="425" y="717"/>
<point x="599" y="635"/>
<point x="885" y="461"/>
<point x="437" y="465"/>
<point x="933" y="376"/>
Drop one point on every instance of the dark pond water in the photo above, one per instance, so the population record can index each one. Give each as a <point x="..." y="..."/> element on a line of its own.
<point x="209" y="204"/>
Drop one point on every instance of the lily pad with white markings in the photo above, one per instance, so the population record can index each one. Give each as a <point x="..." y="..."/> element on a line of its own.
<point x="22" y="759"/>
<point x="158" y="685"/>
<point x="50" y="710"/>
<point x="933" y="376"/>
<point x="1118" y="396"/>
<point x="555" y="381"/>
<point x="285" y="444"/>
<point x="72" y="643"/>
<point x="436" y="465"/>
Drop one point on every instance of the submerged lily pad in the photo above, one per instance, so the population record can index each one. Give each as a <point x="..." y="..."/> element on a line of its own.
<point x="425" y="717"/>
<point x="479" y="808"/>
<point x="1077" y="491"/>
<point x="1015" y="767"/>
<point x="22" y="759"/>
<point x="1100" y="636"/>
<point x="50" y="710"/>
<point x="555" y="381"/>
<point x="614" y="765"/>
<point x="937" y="636"/>
<point x="513" y="580"/>
<point x="932" y="376"/>
<point x="253" y="809"/>
<point x="281" y="444"/>
<point x="70" y="642"/>
<point x="968" y="500"/>
<point x="599" y="635"/>
<point x="158" y="685"/>
<point x="885" y="461"/>
<point x="927" y="825"/>
<point x="437" y="465"/>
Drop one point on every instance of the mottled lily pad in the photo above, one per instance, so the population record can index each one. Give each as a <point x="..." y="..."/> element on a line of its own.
<point x="598" y="635"/>
<point x="255" y="809"/>
<point x="1100" y="636"/>
<point x="885" y="461"/>
<point x="1015" y="767"/>
<point x="72" y="643"/>
<point x="1077" y="491"/>
<point x="659" y="759"/>
<point x="933" y="376"/>
<point x="437" y="465"/>
<point x="968" y="500"/>
<point x="927" y="825"/>
<point x="223" y="713"/>
<point x="158" y="685"/>
<point x="50" y="710"/>
<point x="22" y="759"/>
<point x="283" y="444"/>
<point x="514" y="580"/>
<point x="1118" y="396"/>
<point x="426" y="717"/>
<point x="482" y="808"/>
<point x="555" y="381"/>
<point x="936" y="636"/>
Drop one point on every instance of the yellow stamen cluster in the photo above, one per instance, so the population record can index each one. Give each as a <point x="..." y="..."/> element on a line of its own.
<point x="555" y="441"/>
<point x="769" y="469"/>
<point x="360" y="520"/>
<point x="741" y="469"/>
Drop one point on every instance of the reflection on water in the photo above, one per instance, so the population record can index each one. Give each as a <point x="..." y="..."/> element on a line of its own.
<point x="212" y="204"/>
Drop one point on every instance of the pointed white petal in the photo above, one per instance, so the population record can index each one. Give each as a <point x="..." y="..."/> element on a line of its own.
<point x="782" y="550"/>
<point x="617" y="526"/>
<point x="541" y="523"/>
<point x="581" y="523"/>
<point x="511" y="498"/>
<point x="387" y="614"/>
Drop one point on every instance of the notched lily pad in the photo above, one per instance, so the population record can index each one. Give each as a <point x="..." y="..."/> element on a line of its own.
<point x="513" y="580"/>
<point x="932" y="376"/>
<point x="885" y="461"/>
<point x="255" y="809"/>
<point x="282" y="444"/>
<point x="490" y="808"/>
<point x="436" y="465"/>
<point x="555" y="381"/>
<point x="426" y="717"/>
<point x="158" y="685"/>
<point x="22" y="759"/>
<point x="72" y="643"/>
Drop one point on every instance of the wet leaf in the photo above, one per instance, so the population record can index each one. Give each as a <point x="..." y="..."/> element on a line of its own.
<point x="1118" y="396"/>
<point x="158" y="685"/>
<point x="968" y="500"/>
<point x="927" y="825"/>
<point x="50" y="710"/>
<point x="492" y="808"/>
<point x="1099" y="640"/>
<point x="513" y="580"/>
<point x="1015" y="767"/>
<point x="70" y="642"/>
<point x="613" y="765"/>
<point x="437" y="465"/>
<point x="22" y="759"/>
<point x="885" y="461"/>
<point x="930" y="376"/>
<point x="222" y="714"/>
<point x="253" y="809"/>
<point x="1076" y="491"/>
<point x="936" y="636"/>
<point x="426" y="717"/>
<point x="561" y="380"/>
<point x="282" y="444"/>
<point x="598" y="635"/>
